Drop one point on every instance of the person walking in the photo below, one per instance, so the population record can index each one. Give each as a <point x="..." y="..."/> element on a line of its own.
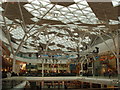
<point x="110" y="73"/>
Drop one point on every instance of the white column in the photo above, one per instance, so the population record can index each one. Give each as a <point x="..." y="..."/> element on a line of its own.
<point x="102" y="85"/>
<point x="63" y="84"/>
<point x="42" y="84"/>
<point x="43" y="68"/>
<point x="82" y="83"/>
<point x="118" y="60"/>
<point x="14" y="64"/>
<point x="58" y="69"/>
<point x="82" y="67"/>
<point x="90" y="85"/>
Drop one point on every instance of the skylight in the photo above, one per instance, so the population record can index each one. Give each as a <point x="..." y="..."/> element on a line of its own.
<point x="116" y="3"/>
<point x="64" y="25"/>
<point x="18" y="33"/>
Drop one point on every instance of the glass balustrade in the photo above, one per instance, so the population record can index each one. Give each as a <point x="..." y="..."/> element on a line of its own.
<point x="10" y="84"/>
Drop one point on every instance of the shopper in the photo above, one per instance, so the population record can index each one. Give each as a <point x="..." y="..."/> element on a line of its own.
<point x="8" y="74"/>
<point x="4" y="74"/>
<point x="110" y="73"/>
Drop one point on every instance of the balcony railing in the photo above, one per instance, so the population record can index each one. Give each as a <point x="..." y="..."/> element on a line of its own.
<point x="13" y="84"/>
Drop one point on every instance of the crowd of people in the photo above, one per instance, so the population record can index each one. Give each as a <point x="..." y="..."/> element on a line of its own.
<point x="108" y="73"/>
<point x="7" y="74"/>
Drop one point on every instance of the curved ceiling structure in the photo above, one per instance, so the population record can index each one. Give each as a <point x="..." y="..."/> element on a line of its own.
<point x="50" y="25"/>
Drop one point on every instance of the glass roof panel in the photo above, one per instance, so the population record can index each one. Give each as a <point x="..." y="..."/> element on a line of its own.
<point x="59" y="6"/>
<point x="81" y="6"/>
<point x="116" y="3"/>
<point x="77" y="1"/>
<point x="73" y="6"/>
<point x="8" y="21"/>
<point x="35" y="13"/>
<point x="35" y="2"/>
<point x="1" y="9"/>
<point x="83" y="2"/>
<point x="18" y="33"/>
<point x="72" y="9"/>
<point x="1" y="19"/>
<point x="44" y="2"/>
<point x="119" y="18"/>
<point x="35" y="19"/>
<point x="88" y="9"/>
<point x="78" y="13"/>
<point x="64" y="49"/>
<point x="63" y="13"/>
<point x="54" y="47"/>
<point x="114" y="22"/>
<point x="29" y="7"/>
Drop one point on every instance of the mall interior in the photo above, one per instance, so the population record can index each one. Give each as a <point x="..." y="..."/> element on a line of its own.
<point x="60" y="44"/>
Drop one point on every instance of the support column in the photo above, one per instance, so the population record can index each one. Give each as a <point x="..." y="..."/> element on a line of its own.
<point x="43" y="68"/>
<point x="93" y="67"/>
<point x="82" y="83"/>
<point x="68" y="68"/>
<point x="53" y="84"/>
<point x="118" y="60"/>
<point x="38" y="84"/>
<point x="11" y="46"/>
<point x="14" y="64"/>
<point x="48" y="71"/>
<point x="42" y="84"/>
<point x="102" y="85"/>
<point x="58" y="69"/>
<point x="63" y="84"/>
<point x="90" y="85"/>
<point x="58" y="84"/>
<point x="81" y="68"/>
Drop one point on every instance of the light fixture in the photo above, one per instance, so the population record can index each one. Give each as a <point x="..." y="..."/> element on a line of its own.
<point x="39" y="55"/>
<point x="4" y="56"/>
<point x="23" y="66"/>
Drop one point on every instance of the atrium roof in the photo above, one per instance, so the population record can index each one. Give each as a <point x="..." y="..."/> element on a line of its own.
<point x="59" y="26"/>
